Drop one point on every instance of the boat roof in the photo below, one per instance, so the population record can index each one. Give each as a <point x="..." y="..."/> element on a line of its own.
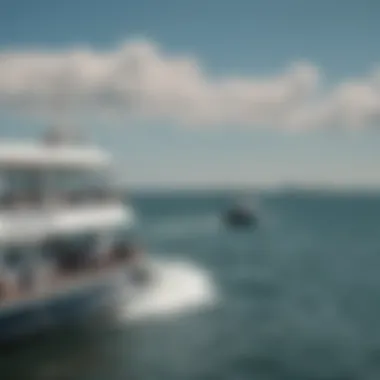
<point x="44" y="154"/>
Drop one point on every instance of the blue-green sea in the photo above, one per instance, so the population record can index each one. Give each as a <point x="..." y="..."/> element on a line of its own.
<point x="298" y="298"/>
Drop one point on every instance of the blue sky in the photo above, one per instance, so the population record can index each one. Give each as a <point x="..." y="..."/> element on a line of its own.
<point x="237" y="38"/>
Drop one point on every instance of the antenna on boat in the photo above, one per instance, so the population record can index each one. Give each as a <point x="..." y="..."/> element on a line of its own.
<point x="61" y="131"/>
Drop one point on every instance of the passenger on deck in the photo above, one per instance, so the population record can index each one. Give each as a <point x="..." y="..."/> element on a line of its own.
<point x="101" y="252"/>
<point x="26" y="279"/>
<point x="8" y="284"/>
<point x="3" y="286"/>
<point x="125" y="251"/>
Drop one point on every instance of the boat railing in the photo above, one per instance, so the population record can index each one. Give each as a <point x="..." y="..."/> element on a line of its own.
<point x="75" y="266"/>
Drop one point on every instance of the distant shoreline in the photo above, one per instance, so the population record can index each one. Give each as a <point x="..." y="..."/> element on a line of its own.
<point x="245" y="190"/>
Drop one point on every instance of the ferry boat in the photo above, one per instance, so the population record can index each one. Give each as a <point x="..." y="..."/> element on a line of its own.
<point x="64" y="248"/>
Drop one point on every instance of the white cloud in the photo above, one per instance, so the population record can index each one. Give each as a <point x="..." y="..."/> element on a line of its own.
<point x="141" y="80"/>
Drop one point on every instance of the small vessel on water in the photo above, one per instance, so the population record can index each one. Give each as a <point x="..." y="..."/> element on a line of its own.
<point x="240" y="215"/>
<point x="65" y="253"/>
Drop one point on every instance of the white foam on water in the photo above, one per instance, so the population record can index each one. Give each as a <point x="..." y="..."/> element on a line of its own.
<point x="176" y="287"/>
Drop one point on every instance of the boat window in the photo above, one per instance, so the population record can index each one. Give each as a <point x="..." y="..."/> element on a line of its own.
<point x="49" y="251"/>
<point x="64" y="181"/>
<point x="13" y="257"/>
<point x="21" y="182"/>
<point x="84" y="184"/>
<point x="80" y="243"/>
<point x="4" y="184"/>
<point x="29" y="184"/>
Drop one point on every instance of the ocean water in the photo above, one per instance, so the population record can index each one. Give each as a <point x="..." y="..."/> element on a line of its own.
<point x="297" y="298"/>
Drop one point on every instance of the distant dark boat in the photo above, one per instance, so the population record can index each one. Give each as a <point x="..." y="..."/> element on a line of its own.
<point x="240" y="216"/>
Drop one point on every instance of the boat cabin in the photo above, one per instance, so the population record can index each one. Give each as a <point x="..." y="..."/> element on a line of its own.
<point x="32" y="174"/>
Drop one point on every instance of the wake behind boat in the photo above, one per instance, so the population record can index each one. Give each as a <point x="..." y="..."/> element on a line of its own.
<point x="65" y="253"/>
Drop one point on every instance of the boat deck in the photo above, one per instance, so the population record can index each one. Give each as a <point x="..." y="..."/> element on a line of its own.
<point x="59" y="281"/>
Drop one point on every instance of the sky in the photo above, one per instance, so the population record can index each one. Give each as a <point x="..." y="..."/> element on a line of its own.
<point x="202" y="93"/>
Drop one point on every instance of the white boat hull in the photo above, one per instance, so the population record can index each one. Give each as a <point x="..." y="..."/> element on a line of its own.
<point x="66" y="307"/>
